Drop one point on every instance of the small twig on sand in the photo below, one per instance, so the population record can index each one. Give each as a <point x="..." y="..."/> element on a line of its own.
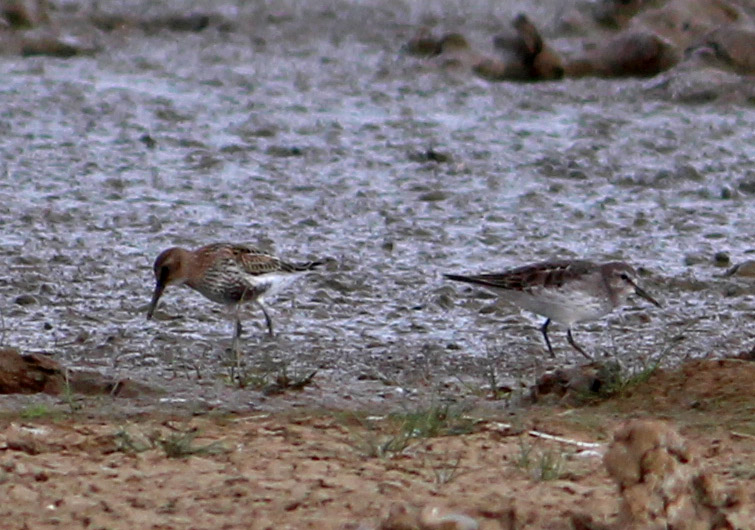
<point x="510" y="431"/>
<point x="742" y="435"/>
<point x="569" y="441"/>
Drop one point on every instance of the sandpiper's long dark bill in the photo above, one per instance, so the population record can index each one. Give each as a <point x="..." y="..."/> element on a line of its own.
<point x="567" y="291"/>
<point x="226" y="273"/>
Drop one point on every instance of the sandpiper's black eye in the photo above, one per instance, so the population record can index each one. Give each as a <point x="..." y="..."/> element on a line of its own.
<point x="624" y="276"/>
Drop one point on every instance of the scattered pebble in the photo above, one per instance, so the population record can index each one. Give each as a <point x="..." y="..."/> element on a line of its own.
<point x="431" y="155"/>
<point x="721" y="259"/>
<point x="436" y="518"/>
<point x="25" y="299"/>
<point x="284" y="151"/>
<point x="693" y="258"/>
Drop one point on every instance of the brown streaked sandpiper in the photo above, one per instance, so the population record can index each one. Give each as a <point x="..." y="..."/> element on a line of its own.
<point x="226" y="273"/>
<point x="566" y="291"/>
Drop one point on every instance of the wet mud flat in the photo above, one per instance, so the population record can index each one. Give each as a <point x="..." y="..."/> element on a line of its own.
<point x="389" y="397"/>
<point x="303" y="130"/>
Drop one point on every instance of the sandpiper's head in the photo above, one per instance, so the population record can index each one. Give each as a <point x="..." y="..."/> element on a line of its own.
<point x="170" y="268"/>
<point x="622" y="279"/>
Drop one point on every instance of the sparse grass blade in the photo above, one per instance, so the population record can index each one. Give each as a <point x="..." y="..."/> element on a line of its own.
<point x="395" y="433"/>
<point x="181" y="445"/>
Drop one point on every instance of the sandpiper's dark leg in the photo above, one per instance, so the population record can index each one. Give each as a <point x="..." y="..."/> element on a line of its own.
<point x="235" y="343"/>
<point x="576" y="346"/>
<point x="544" y="331"/>
<point x="268" y="320"/>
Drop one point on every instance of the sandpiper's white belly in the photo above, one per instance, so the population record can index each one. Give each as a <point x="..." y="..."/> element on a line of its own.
<point x="566" y="306"/>
<point x="270" y="283"/>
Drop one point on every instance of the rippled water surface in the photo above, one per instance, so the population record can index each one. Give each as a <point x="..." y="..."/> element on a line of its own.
<point x="307" y="134"/>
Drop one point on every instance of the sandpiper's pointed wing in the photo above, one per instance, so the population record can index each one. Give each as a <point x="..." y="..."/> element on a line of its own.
<point x="529" y="277"/>
<point x="244" y="258"/>
<point x="255" y="262"/>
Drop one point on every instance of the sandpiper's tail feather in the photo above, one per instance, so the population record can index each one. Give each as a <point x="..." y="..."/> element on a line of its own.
<point x="457" y="277"/>
<point x="306" y="266"/>
<point x="469" y="279"/>
<point x="495" y="281"/>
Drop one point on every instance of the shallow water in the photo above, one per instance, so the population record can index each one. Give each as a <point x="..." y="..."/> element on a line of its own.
<point x="304" y="132"/>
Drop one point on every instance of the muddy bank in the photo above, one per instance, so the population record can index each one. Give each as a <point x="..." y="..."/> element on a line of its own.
<point x="416" y="468"/>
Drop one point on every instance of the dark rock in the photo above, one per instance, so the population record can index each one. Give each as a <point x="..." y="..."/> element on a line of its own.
<point x="578" y="383"/>
<point x="25" y="299"/>
<point x="747" y="185"/>
<point x="721" y="259"/>
<point x="33" y="373"/>
<point x="423" y="44"/>
<point x="148" y="141"/>
<point x="284" y="151"/>
<point x="29" y="373"/>
<point x="729" y="47"/>
<point x="747" y="355"/>
<point x="584" y="521"/>
<point x="49" y="45"/>
<point x="437" y="156"/>
<point x="693" y="258"/>
<point x="434" y="196"/>
<point x="191" y="22"/>
<point x="430" y="155"/>
<point x="24" y="14"/>
<point x="726" y="193"/>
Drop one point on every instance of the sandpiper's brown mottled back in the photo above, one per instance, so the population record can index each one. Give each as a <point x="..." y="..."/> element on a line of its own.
<point x="226" y="273"/>
<point x="567" y="291"/>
